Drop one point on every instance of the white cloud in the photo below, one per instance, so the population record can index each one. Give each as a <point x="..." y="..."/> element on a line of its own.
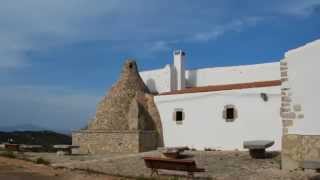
<point x="302" y="8"/>
<point x="219" y="30"/>
<point x="37" y="25"/>
<point x="159" y="46"/>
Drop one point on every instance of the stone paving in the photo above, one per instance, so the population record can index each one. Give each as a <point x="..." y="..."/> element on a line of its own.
<point x="219" y="165"/>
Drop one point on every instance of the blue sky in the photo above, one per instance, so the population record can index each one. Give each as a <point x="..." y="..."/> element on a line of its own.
<point x="58" y="58"/>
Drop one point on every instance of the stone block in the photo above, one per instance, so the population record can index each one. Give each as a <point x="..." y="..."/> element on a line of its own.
<point x="310" y="164"/>
<point x="299" y="148"/>
<point x="297" y="107"/>
<point x="283" y="68"/>
<point x="285" y="104"/>
<point x="291" y="151"/>
<point x="286" y="99"/>
<point x="284" y="79"/>
<point x="283" y="63"/>
<point x="287" y="123"/>
<point x="287" y="163"/>
<point x="257" y="144"/>
<point x="284" y="74"/>
<point x="310" y="147"/>
<point x="285" y="109"/>
<point x="290" y="115"/>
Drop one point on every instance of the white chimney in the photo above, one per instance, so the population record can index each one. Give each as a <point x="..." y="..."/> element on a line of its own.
<point x="179" y="70"/>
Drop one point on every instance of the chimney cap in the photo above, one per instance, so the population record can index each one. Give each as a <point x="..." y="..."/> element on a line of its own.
<point x="179" y="52"/>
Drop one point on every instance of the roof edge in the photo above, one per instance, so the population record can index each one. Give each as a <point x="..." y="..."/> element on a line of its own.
<point x="225" y="87"/>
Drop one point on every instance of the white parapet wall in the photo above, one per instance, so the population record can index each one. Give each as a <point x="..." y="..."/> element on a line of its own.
<point x="175" y="77"/>
<point x="303" y="82"/>
<point x="233" y="74"/>
<point x="300" y="101"/>
<point x="205" y="127"/>
<point x="159" y="80"/>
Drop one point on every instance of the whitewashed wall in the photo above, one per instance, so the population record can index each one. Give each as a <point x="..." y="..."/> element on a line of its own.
<point x="159" y="80"/>
<point x="304" y="83"/>
<point x="233" y="74"/>
<point x="204" y="125"/>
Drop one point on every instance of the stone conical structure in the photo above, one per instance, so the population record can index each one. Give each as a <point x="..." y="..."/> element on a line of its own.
<point x="112" y="112"/>
<point x="127" y="119"/>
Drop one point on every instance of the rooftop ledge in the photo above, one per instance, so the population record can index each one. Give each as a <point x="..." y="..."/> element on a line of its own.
<point x="224" y="87"/>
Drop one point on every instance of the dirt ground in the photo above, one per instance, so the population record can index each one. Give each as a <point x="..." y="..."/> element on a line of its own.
<point x="15" y="169"/>
<point x="219" y="165"/>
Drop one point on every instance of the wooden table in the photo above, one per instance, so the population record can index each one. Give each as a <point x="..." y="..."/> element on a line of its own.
<point x="64" y="149"/>
<point x="174" y="152"/>
<point x="12" y="147"/>
<point x="31" y="148"/>
<point x="257" y="148"/>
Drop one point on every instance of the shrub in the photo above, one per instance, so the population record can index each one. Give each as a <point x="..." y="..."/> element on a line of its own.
<point x="8" y="154"/>
<point x="42" y="161"/>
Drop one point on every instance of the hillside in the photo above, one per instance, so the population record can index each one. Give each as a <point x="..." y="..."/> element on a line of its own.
<point x="45" y="138"/>
<point x="31" y="127"/>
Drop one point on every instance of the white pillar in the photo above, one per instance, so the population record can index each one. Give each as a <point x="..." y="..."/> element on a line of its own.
<point x="179" y="70"/>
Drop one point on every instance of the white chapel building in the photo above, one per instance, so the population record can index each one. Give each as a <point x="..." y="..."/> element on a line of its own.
<point x="217" y="108"/>
<point x="221" y="107"/>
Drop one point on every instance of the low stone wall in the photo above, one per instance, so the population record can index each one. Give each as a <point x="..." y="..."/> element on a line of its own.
<point x="100" y="142"/>
<point x="296" y="148"/>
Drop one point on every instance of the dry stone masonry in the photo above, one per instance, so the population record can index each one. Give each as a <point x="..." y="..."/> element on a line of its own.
<point x="127" y="119"/>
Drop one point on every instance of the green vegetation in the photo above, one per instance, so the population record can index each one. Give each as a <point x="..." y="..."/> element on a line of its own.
<point x="42" y="161"/>
<point x="45" y="138"/>
<point x="8" y="154"/>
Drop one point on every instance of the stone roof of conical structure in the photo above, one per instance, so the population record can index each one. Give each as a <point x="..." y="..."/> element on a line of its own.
<point x="112" y="111"/>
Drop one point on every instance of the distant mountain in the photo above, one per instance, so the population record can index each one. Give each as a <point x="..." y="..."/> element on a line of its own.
<point x="22" y="127"/>
<point x="31" y="127"/>
<point x="45" y="138"/>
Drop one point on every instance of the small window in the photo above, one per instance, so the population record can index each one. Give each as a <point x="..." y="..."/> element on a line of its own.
<point x="230" y="113"/>
<point x="178" y="116"/>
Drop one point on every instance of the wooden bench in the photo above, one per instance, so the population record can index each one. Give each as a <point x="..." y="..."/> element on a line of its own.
<point x="257" y="148"/>
<point x="12" y="147"/>
<point x="31" y="148"/>
<point x="155" y="163"/>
